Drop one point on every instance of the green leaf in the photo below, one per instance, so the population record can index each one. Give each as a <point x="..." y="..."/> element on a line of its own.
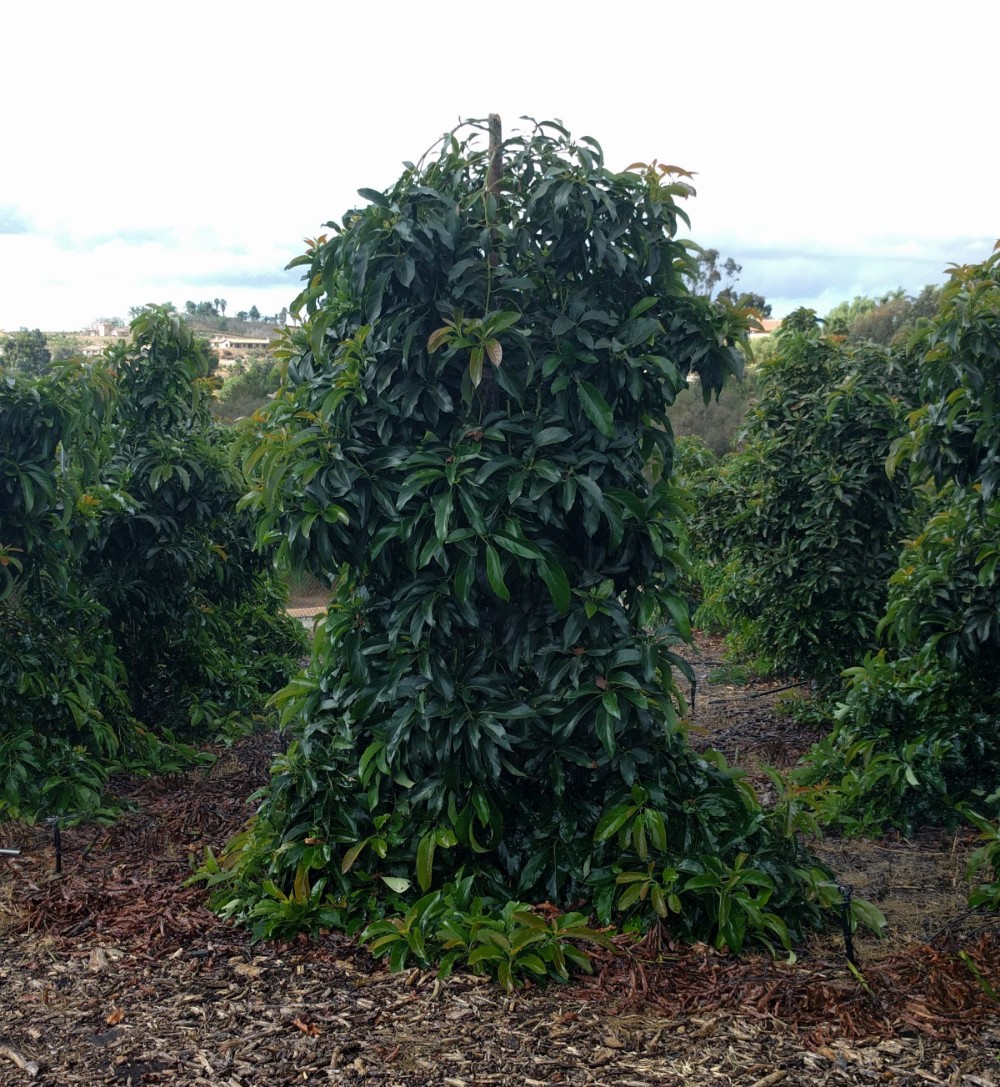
<point x="438" y="337"/>
<point x="521" y="548"/>
<point x="612" y="821"/>
<point x="396" y="883"/>
<point x="482" y="806"/>
<point x="610" y="702"/>
<point x="596" y="408"/>
<point x="557" y="583"/>
<point x="425" y="860"/>
<point x="604" y="725"/>
<point x="374" y="196"/>
<point x="532" y="963"/>
<point x="442" y="514"/>
<point x="476" y="366"/>
<point x="498" y="322"/>
<point x="656" y="829"/>
<point x="494" y="572"/>
<point x="352" y="855"/>
<point x="405" y="270"/>
<point x="636" y="332"/>
<point x="640" y="307"/>
<point x="631" y="895"/>
<point x="484" y="953"/>
<point x="678" y="608"/>
<point x="465" y="574"/>
<point x="551" y="435"/>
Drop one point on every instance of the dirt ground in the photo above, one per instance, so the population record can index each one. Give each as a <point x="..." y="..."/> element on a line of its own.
<point x="111" y="972"/>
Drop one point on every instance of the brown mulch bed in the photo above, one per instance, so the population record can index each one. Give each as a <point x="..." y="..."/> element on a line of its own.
<point x="112" y="972"/>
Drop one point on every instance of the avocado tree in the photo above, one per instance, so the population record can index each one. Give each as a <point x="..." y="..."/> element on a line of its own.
<point x="799" y="531"/>
<point x="195" y="611"/>
<point x="490" y="711"/>
<point x="62" y="708"/>
<point x="916" y="732"/>
<point x="25" y="352"/>
<point x="133" y="606"/>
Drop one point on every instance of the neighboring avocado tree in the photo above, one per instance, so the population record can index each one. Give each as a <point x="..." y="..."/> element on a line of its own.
<point x="459" y="447"/>
<point x="25" y="352"/>
<point x="799" y="532"/>
<point x="132" y="605"/>
<point x="64" y="716"/>
<point x="917" y="731"/>
<point x="195" y="611"/>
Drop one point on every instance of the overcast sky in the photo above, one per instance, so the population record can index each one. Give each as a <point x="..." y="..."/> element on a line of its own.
<point x="184" y="150"/>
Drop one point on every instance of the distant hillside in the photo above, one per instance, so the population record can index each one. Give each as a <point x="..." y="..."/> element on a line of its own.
<point x="210" y="326"/>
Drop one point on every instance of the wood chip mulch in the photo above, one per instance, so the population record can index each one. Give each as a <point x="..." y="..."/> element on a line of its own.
<point x="111" y="972"/>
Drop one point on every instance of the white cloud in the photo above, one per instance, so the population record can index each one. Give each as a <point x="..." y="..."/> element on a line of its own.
<point x="851" y="140"/>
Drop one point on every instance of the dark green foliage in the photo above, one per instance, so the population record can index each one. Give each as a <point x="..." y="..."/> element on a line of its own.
<point x="917" y="731"/>
<point x="906" y="744"/>
<point x="25" y="352"/>
<point x="984" y="864"/>
<point x="800" y="530"/>
<point x="37" y="496"/>
<point x="66" y="719"/>
<point x="62" y="710"/>
<point x="719" y="423"/>
<point x="132" y="605"/>
<point x="944" y="600"/>
<point x="194" y="610"/>
<point x="884" y="320"/>
<point x="956" y="434"/>
<point x="696" y="467"/>
<point x="461" y="445"/>
<point x="247" y="388"/>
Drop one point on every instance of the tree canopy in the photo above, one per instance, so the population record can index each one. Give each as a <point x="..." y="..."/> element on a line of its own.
<point x="491" y="707"/>
<point x="133" y="607"/>
<point x="881" y="320"/>
<point x="710" y="271"/>
<point x="803" y="523"/>
<point x="26" y="352"/>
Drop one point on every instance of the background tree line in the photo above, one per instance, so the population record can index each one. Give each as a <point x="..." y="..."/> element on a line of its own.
<point x="851" y="539"/>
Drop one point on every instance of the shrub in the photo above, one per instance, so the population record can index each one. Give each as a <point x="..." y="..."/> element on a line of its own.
<point x="937" y="698"/>
<point x="247" y="388"/>
<point x="799" y="532"/>
<point x="60" y="700"/>
<point x="132" y="604"/>
<point x="461" y="439"/>
<point x="189" y="600"/>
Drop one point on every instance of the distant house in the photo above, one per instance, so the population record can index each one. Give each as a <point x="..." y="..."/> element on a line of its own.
<point x="229" y="348"/>
<point x="106" y="329"/>
<point x="769" y="325"/>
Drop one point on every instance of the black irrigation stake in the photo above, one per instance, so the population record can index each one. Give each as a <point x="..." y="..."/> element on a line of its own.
<point x="846" y="892"/>
<point x="57" y="840"/>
